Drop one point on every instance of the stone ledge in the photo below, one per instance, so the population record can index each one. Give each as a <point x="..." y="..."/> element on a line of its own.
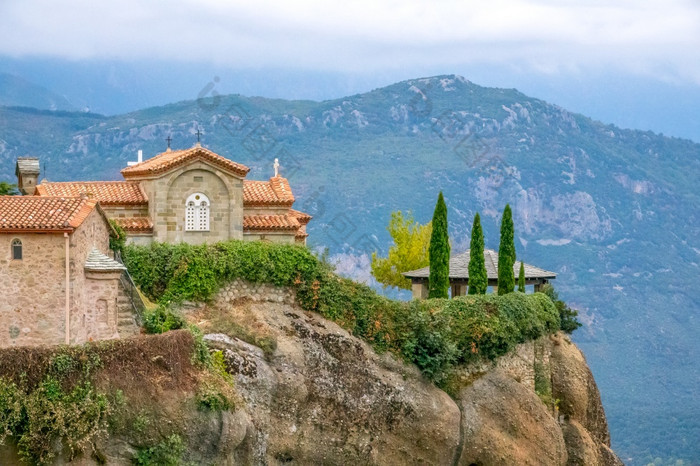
<point x="257" y="292"/>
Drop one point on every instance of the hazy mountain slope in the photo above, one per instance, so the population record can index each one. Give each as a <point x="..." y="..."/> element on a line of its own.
<point x="614" y="212"/>
<point x="20" y="92"/>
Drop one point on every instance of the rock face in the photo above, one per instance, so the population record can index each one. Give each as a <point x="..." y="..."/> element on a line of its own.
<point x="310" y="393"/>
<point x="324" y="397"/>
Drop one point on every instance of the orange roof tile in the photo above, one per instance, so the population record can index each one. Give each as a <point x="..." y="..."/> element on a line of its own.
<point x="135" y="224"/>
<point x="104" y="192"/>
<point x="302" y="217"/>
<point x="36" y="213"/>
<point x="173" y="158"/>
<point x="276" y="191"/>
<point x="282" y="222"/>
<point x="301" y="233"/>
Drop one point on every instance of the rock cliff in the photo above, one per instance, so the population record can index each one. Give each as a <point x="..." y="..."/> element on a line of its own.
<point x="310" y="393"/>
<point x="324" y="397"/>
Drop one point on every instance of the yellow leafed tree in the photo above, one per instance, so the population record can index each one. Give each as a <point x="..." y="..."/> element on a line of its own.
<point x="409" y="252"/>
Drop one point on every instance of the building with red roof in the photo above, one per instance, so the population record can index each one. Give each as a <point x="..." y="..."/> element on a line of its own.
<point x="57" y="280"/>
<point x="192" y="195"/>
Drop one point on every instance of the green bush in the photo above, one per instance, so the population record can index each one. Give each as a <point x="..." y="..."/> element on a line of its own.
<point x="166" y="453"/>
<point x="117" y="237"/>
<point x="47" y="415"/>
<point x="162" y="319"/>
<point x="434" y="334"/>
<point x="567" y="316"/>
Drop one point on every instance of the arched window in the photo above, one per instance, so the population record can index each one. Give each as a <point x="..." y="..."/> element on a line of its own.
<point x="17" y="249"/>
<point x="197" y="212"/>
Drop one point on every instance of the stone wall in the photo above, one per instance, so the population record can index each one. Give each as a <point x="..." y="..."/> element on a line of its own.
<point x="92" y="233"/>
<point x="32" y="308"/>
<point x="271" y="236"/>
<point x="125" y="211"/>
<point x="257" y="292"/>
<point x="100" y="308"/>
<point x="32" y="311"/>
<point x="167" y="197"/>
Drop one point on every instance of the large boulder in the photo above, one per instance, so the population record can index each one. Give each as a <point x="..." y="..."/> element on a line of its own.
<point x="325" y="397"/>
<point x="575" y="388"/>
<point x="505" y="423"/>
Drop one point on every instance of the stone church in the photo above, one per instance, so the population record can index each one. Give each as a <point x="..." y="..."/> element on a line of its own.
<point x="193" y="196"/>
<point x="57" y="279"/>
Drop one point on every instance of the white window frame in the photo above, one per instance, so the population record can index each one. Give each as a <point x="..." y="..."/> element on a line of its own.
<point x="197" y="208"/>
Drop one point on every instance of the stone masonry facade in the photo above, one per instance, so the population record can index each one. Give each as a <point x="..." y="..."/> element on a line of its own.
<point x="258" y="292"/>
<point x="33" y="287"/>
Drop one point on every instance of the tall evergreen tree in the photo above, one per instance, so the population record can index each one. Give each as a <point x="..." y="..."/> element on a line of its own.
<point x="506" y="254"/>
<point x="439" y="253"/>
<point x="521" y="278"/>
<point x="478" y="278"/>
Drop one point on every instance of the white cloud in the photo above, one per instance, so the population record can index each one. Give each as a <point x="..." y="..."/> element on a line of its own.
<point x="660" y="38"/>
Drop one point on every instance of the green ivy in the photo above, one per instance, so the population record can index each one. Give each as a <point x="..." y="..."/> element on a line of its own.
<point x="434" y="334"/>
<point x="39" y="419"/>
<point x="117" y="237"/>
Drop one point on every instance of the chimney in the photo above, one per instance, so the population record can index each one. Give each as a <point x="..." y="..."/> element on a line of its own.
<point x="27" y="171"/>
<point x="140" y="159"/>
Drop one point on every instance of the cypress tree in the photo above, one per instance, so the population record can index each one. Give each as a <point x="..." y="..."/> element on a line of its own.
<point x="521" y="278"/>
<point x="478" y="279"/>
<point x="506" y="254"/>
<point x="439" y="253"/>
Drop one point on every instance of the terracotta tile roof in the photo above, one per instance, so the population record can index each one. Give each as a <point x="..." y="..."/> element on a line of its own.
<point x="283" y="222"/>
<point x="168" y="160"/>
<point x="104" y="192"/>
<point x="135" y="224"/>
<point x="302" y="217"/>
<point x="36" y="213"/>
<point x="276" y="191"/>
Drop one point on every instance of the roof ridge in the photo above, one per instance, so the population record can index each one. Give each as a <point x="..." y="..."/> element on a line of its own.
<point x="164" y="161"/>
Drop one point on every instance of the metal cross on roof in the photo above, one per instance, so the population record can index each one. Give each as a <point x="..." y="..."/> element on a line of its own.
<point x="199" y="133"/>
<point x="169" y="140"/>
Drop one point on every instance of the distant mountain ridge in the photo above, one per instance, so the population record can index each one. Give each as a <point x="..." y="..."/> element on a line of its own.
<point x="15" y="91"/>
<point x="613" y="212"/>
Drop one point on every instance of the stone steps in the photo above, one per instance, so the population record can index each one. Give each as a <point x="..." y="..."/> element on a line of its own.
<point x="126" y="322"/>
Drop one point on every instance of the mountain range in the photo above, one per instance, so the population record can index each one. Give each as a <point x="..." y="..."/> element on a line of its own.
<point x="613" y="212"/>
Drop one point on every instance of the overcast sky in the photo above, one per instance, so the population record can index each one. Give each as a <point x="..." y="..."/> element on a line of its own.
<point x="654" y="38"/>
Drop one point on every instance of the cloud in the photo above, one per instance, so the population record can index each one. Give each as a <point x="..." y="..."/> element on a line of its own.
<point x="653" y="37"/>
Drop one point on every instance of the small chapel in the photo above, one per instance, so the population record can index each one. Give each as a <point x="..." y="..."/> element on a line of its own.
<point x="192" y="195"/>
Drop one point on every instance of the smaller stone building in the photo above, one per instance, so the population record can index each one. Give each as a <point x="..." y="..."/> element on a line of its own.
<point x="459" y="275"/>
<point x="57" y="281"/>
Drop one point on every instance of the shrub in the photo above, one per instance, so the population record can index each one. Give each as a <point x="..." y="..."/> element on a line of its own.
<point x="162" y="319"/>
<point x="40" y="418"/>
<point x="567" y="316"/>
<point x="166" y="453"/>
<point x="117" y="237"/>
